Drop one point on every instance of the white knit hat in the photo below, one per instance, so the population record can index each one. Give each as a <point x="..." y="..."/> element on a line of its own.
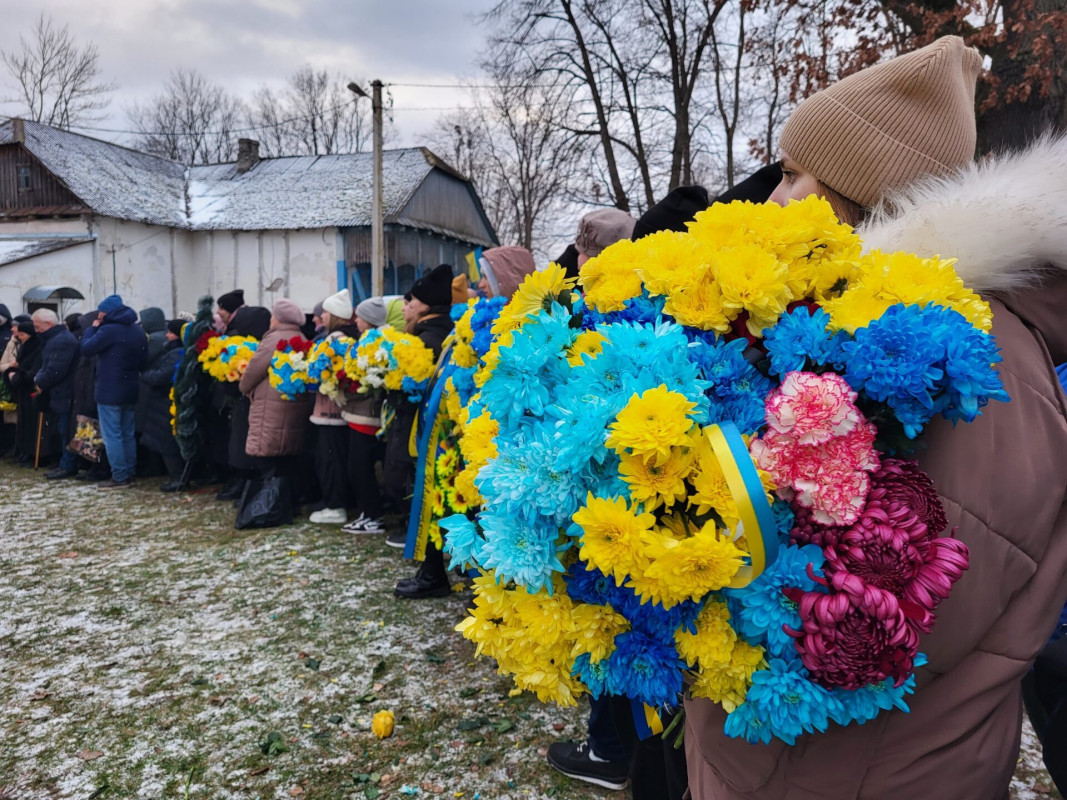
<point x="339" y="305"/>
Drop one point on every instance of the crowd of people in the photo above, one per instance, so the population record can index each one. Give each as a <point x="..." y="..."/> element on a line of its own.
<point x="860" y="144"/>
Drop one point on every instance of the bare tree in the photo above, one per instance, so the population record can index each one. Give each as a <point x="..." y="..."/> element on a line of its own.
<point x="514" y="144"/>
<point x="314" y="114"/>
<point x="57" y="80"/>
<point x="193" y="120"/>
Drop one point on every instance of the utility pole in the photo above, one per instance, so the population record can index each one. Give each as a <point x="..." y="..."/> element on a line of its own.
<point x="377" y="274"/>
<point x="377" y="224"/>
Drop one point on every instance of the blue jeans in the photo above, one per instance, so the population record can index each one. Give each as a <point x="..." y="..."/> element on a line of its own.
<point x="68" y="461"/>
<point x="116" y="429"/>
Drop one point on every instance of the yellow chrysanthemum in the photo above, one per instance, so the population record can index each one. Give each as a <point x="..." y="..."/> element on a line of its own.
<point x="700" y="305"/>
<point x="613" y="536"/>
<point x="687" y="569"/>
<point x="713" y="641"/>
<point x="671" y="261"/>
<point x="595" y="629"/>
<point x="463" y="351"/>
<point x="478" y="444"/>
<point x="752" y="280"/>
<point x="613" y="277"/>
<point x="883" y="280"/>
<point x="587" y="343"/>
<point x="651" y="424"/>
<point x="655" y="484"/>
<point x="537" y="291"/>
<point x="465" y="485"/>
<point x="492" y="358"/>
<point x="728" y="686"/>
<point x="453" y="407"/>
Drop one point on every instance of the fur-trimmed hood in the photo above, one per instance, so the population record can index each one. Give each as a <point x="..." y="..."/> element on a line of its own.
<point x="1005" y="221"/>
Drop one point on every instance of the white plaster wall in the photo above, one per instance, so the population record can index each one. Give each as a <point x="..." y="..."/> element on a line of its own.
<point x="134" y="261"/>
<point x="312" y="267"/>
<point x="71" y="266"/>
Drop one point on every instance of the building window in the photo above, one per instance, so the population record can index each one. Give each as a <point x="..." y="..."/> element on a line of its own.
<point x="24" y="178"/>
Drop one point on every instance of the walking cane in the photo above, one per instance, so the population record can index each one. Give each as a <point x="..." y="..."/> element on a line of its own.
<point x="40" y="431"/>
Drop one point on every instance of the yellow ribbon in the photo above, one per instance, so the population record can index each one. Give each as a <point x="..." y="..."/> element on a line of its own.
<point x="757" y="520"/>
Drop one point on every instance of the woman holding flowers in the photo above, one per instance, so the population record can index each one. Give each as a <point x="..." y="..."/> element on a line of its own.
<point x="331" y="443"/>
<point x="903" y="133"/>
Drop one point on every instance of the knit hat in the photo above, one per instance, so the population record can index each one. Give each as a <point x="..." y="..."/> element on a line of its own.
<point x="506" y="268"/>
<point x="599" y="229"/>
<point x="110" y="303"/>
<point x="231" y="301"/>
<point x="434" y="289"/>
<point x="886" y="126"/>
<point x="568" y="259"/>
<point x="339" y="305"/>
<point x="672" y="212"/>
<point x="372" y="311"/>
<point x="175" y="326"/>
<point x="286" y="311"/>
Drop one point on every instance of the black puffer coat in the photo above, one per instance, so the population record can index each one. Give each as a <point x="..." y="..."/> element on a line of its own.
<point x="156" y="381"/>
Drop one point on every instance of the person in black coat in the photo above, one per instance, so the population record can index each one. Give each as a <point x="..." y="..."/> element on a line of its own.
<point x="154" y="324"/>
<point x="55" y="380"/>
<point x="7" y="429"/>
<point x="251" y="321"/>
<point x="156" y="382"/>
<point x="426" y="311"/>
<point x="20" y="377"/>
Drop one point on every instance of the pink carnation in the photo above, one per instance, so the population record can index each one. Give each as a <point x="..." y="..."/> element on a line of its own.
<point x="829" y="478"/>
<point x="812" y="408"/>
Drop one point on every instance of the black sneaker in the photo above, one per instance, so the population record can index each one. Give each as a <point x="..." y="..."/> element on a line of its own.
<point x="111" y="483"/>
<point x="423" y="586"/>
<point x="398" y="539"/>
<point x="59" y="474"/>
<point x="577" y="761"/>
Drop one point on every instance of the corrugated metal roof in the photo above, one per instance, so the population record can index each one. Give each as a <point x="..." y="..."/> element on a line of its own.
<point x="276" y="194"/>
<point x="12" y="250"/>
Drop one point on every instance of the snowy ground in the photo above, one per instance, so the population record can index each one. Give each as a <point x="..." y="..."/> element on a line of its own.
<point x="148" y="650"/>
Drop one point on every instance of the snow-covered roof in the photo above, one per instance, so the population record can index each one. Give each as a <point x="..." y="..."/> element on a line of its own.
<point x="12" y="250"/>
<point x="302" y="191"/>
<point x="276" y="194"/>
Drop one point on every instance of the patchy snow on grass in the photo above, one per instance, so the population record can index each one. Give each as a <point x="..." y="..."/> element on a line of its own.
<point x="149" y="650"/>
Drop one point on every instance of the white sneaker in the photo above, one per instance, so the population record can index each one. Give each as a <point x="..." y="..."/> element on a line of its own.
<point x="372" y="526"/>
<point x="330" y="516"/>
<point x="356" y="525"/>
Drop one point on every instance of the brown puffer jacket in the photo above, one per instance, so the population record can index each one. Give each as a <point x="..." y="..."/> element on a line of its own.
<point x="275" y="426"/>
<point x="1003" y="482"/>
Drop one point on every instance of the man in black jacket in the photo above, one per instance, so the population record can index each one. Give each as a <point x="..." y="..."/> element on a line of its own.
<point x="55" y="379"/>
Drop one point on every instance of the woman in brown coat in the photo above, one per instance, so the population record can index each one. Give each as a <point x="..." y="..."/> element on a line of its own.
<point x="1002" y="479"/>
<point x="275" y="426"/>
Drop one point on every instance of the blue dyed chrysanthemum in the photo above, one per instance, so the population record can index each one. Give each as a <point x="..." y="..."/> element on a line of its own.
<point x="595" y="675"/>
<point x="737" y="390"/>
<point x="785" y="700"/>
<point x="463" y="543"/>
<point x="863" y="705"/>
<point x="800" y="336"/>
<point x="645" y="669"/>
<point x="765" y="611"/>
<point x="519" y="551"/>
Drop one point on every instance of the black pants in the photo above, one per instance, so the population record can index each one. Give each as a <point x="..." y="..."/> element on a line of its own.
<point x="175" y="466"/>
<point x="364" y="450"/>
<point x="657" y="769"/>
<point x="398" y="474"/>
<point x="331" y="464"/>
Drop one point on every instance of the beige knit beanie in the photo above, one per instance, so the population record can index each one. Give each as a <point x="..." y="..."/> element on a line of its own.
<point x="888" y="125"/>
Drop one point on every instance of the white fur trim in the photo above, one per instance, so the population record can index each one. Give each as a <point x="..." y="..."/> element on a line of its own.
<point x="1004" y="219"/>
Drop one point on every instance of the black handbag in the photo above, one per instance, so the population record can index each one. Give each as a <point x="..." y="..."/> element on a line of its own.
<point x="266" y="502"/>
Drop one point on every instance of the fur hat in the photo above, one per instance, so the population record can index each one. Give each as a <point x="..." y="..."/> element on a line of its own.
<point x="602" y="228"/>
<point x="339" y="305"/>
<point x="286" y="311"/>
<point x="372" y="311"/>
<point x="888" y="125"/>
<point x="110" y="303"/>
<point x="231" y="301"/>
<point x="434" y="289"/>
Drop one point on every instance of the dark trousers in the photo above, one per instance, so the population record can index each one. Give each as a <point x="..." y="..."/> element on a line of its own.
<point x="398" y="473"/>
<point x="175" y="466"/>
<point x="603" y="738"/>
<point x="364" y="450"/>
<point x="331" y="464"/>
<point x="68" y="460"/>
<point x="657" y="769"/>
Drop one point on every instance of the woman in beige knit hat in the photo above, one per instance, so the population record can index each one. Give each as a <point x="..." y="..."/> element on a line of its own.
<point x="892" y="149"/>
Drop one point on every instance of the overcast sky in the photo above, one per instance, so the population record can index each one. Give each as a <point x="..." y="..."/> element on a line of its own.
<point x="244" y="43"/>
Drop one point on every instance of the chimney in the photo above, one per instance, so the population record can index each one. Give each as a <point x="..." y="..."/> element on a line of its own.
<point x="247" y="154"/>
<point x="18" y="130"/>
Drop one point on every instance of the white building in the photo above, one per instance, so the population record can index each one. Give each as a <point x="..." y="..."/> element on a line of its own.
<point x="83" y="216"/>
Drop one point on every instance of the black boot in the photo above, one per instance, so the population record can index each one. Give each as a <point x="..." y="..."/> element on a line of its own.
<point x="430" y="581"/>
<point x="233" y="489"/>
